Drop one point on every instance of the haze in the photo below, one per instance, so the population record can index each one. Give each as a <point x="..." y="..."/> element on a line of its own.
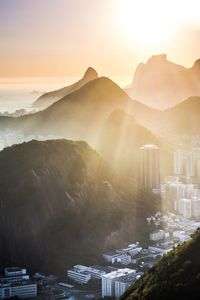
<point x="62" y="38"/>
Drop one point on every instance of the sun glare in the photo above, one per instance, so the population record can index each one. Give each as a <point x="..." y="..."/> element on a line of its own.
<point x="151" y="22"/>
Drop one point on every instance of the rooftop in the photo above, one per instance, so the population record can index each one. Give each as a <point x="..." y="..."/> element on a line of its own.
<point x="119" y="273"/>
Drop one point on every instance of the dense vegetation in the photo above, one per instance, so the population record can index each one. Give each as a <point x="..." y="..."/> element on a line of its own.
<point x="176" y="276"/>
<point x="60" y="204"/>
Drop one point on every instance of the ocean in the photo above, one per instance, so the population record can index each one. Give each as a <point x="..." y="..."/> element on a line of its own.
<point x="20" y="93"/>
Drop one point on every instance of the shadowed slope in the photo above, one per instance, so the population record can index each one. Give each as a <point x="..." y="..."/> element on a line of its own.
<point x="176" y="276"/>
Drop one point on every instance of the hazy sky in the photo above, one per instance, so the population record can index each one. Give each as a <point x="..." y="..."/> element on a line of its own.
<point x="64" y="37"/>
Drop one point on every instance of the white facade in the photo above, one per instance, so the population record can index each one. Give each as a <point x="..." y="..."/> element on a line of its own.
<point x="157" y="235"/>
<point x="14" y="271"/>
<point x="124" y="259"/>
<point x="79" y="274"/>
<point x="108" y="281"/>
<point x="190" y="165"/>
<point x="196" y="207"/>
<point x="23" y="290"/>
<point x="185" y="207"/>
<point x="123" y="283"/>
<point x="178" y="163"/>
<point x="149" y="167"/>
<point x="110" y="256"/>
<point x="80" y="277"/>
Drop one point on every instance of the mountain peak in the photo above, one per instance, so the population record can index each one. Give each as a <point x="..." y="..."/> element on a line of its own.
<point x="157" y="58"/>
<point x="90" y="74"/>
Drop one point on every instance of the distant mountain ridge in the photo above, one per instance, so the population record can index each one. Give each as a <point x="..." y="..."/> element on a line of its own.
<point x="49" y="98"/>
<point x="161" y="84"/>
<point x="81" y="114"/>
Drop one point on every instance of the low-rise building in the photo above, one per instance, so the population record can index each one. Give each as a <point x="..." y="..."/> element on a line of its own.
<point x="25" y="289"/>
<point x="79" y="274"/>
<point x="157" y="235"/>
<point x="111" y="256"/>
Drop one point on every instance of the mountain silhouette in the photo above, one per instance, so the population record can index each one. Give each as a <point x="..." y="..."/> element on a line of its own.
<point x="49" y="98"/>
<point x="81" y="114"/>
<point x="161" y="84"/>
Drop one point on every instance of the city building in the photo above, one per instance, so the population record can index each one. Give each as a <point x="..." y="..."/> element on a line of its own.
<point x="124" y="282"/>
<point x="16" y="283"/>
<point x="157" y="235"/>
<point x="79" y="274"/>
<point x="132" y="249"/>
<point x="118" y="257"/>
<point x="185" y="207"/>
<point x="178" y="163"/>
<point x="15" y="274"/>
<point x="111" y="256"/>
<point x="149" y="167"/>
<point x="25" y="289"/>
<point x="108" y="281"/>
<point x="196" y="207"/>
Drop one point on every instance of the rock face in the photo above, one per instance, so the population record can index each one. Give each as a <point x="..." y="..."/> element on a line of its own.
<point x="49" y="98"/>
<point x="176" y="276"/>
<point x="161" y="83"/>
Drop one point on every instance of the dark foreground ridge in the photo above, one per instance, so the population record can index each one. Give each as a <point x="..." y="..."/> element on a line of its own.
<point x="176" y="276"/>
<point x="60" y="201"/>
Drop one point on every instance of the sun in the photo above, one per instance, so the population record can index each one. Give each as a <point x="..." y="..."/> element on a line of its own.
<point x="148" y="21"/>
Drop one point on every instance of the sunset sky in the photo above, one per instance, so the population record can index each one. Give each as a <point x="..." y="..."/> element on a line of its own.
<point x="64" y="37"/>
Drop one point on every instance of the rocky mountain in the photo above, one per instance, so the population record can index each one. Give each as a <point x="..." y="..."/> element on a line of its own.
<point x="160" y="83"/>
<point x="49" y="98"/>
<point x="176" y="276"/>
<point x="56" y="198"/>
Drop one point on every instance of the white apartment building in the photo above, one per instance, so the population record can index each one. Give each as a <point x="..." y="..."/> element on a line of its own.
<point x="178" y="163"/>
<point x="124" y="282"/>
<point x="108" y="281"/>
<point x="118" y="257"/>
<point x="149" y="167"/>
<point x="196" y="207"/>
<point x="185" y="207"/>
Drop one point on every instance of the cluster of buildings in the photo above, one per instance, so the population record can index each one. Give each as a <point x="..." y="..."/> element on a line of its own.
<point x="114" y="281"/>
<point x="181" y="191"/>
<point x="16" y="283"/>
<point x="114" y="284"/>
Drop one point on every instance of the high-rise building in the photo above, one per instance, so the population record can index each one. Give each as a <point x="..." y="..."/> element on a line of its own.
<point x="178" y="163"/>
<point x="196" y="207"/>
<point x="190" y="164"/>
<point x="149" y="167"/>
<point x="108" y="281"/>
<point x="185" y="207"/>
